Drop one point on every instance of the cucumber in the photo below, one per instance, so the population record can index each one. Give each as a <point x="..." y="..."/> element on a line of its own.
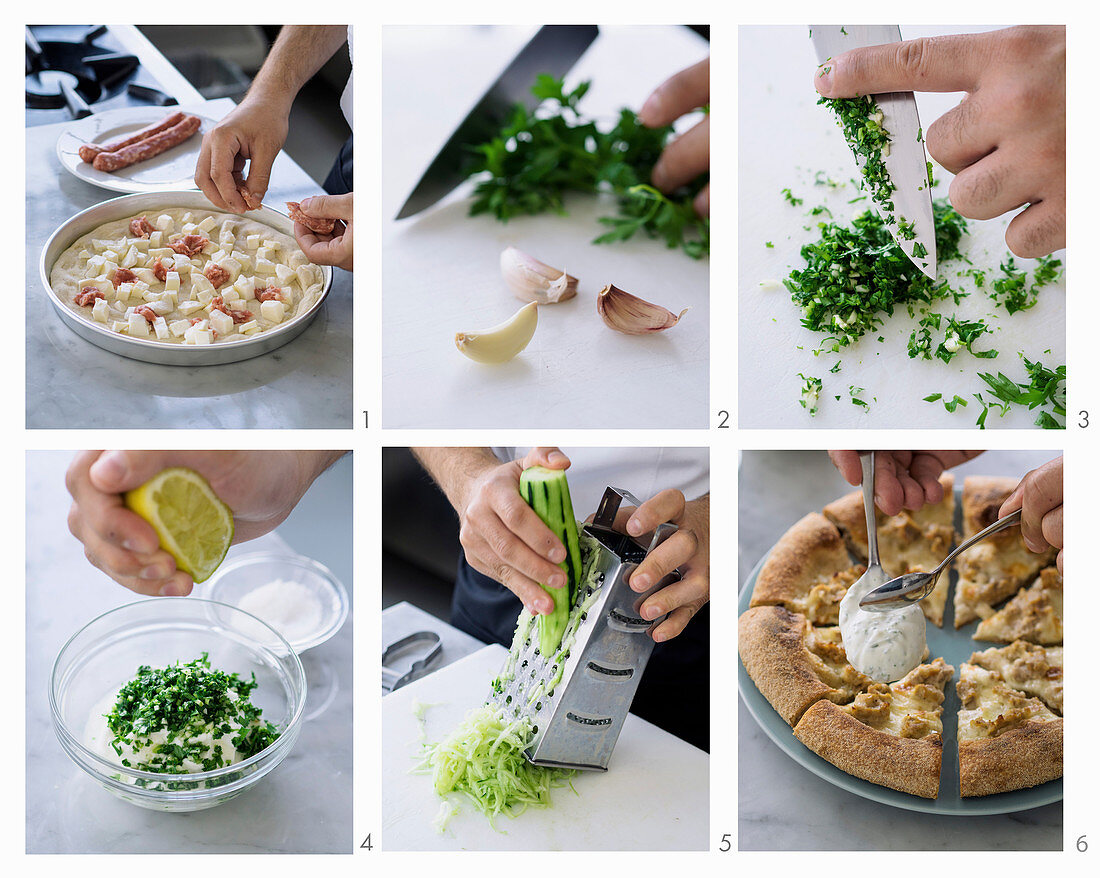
<point x="547" y="492"/>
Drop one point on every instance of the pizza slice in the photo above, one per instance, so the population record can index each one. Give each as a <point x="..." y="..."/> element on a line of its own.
<point x="1007" y="740"/>
<point x="807" y="572"/>
<point x="907" y="542"/>
<point x="1034" y="670"/>
<point x="1034" y="614"/>
<point x="890" y="735"/>
<point x="996" y="568"/>
<point x="794" y="664"/>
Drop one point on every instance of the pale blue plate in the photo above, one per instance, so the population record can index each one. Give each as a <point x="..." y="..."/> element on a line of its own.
<point x="955" y="647"/>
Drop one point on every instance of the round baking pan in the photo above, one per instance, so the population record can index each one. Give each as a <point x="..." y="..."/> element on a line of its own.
<point x="955" y="645"/>
<point x="146" y="350"/>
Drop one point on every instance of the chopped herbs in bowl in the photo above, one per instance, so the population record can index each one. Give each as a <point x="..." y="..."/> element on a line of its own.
<point x="177" y="704"/>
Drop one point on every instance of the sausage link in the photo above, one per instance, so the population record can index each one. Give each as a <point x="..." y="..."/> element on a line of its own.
<point x="89" y="151"/>
<point x="149" y="147"/>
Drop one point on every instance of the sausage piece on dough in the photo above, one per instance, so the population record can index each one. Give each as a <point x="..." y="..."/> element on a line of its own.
<point x="314" y="224"/>
<point x="153" y="145"/>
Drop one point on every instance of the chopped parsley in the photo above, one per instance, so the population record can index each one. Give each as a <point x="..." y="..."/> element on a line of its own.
<point x="811" y="390"/>
<point x="861" y="121"/>
<point x="1045" y="390"/>
<point x="790" y="198"/>
<point x="163" y="714"/>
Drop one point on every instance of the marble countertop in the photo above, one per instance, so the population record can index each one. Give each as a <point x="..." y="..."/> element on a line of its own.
<point x="67" y="812"/>
<point x="306" y="383"/>
<point x="781" y="806"/>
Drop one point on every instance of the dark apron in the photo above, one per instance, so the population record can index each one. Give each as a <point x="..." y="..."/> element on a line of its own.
<point x="340" y="180"/>
<point x="674" y="693"/>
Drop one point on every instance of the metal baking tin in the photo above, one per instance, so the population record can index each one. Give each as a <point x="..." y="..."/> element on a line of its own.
<point x="158" y="352"/>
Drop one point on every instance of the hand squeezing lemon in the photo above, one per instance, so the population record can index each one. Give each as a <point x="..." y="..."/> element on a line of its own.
<point x="193" y="525"/>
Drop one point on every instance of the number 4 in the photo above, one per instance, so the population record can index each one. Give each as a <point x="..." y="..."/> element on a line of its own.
<point x="366" y="845"/>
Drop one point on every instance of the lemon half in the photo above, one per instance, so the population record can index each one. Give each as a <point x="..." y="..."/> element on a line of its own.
<point x="194" y="526"/>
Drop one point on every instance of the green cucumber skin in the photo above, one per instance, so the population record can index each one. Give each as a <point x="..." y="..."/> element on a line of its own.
<point x="547" y="492"/>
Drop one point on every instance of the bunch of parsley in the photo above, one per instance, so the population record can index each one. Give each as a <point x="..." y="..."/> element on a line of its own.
<point x="540" y="156"/>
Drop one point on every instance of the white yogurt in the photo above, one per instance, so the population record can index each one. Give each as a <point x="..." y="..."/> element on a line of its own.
<point x="884" y="646"/>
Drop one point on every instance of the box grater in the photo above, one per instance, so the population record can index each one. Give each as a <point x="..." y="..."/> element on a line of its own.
<point x="577" y="721"/>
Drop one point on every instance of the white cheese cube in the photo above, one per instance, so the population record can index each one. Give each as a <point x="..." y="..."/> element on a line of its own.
<point x="230" y="294"/>
<point x="138" y="326"/>
<point x="101" y="310"/>
<point x="272" y="311"/>
<point x="284" y="273"/>
<point x="84" y="255"/>
<point x="249" y="327"/>
<point x="265" y="252"/>
<point x="203" y="297"/>
<point x="160" y="327"/>
<point x="179" y="327"/>
<point x="140" y="288"/>
<point x="146" y="276"/>
<point x="218" y="255"/>
<point x="162" y="307"/>
<point x="232" y="266"/>
<point x="222" y="323"/>
<point x="165" y="223"/>
<point x="264" y="267"/>
<point x="120" y="326"/>
<point x="206" y="224"/>
<point x="182" y="263"/>
<point x="122" y="292"/>
<point x="111" y="255"/>
<point x="189" y="308"/>
<point x="189" y="228"/>
<point x="140" y="244"/>
<point x="246" y="286"/>
<point x="156" y="253"/>
<point x="251" y="242"/>
<point x="306" y="276"/>
<point x="272" y="245"/>
<point x="155" y="239"/>
<point x="172" y="281"/>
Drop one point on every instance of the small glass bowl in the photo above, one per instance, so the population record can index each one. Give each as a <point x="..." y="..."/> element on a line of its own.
<point x="106" y="653"/>
<point x="239" y="576"/>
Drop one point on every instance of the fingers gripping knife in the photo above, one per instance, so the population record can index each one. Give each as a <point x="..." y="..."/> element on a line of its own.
<point x="577" y="711"/>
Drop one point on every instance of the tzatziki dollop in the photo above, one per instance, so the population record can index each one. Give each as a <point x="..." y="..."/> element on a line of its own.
<point x="885" y="646"/>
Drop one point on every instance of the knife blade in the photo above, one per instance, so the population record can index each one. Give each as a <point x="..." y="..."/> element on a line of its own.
<point x="554" y="49"/>
<point x="906" y="161"/>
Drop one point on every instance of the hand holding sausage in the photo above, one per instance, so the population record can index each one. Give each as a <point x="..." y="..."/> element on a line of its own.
<point x="254" y="133"/>
<point x="336" y="247"/>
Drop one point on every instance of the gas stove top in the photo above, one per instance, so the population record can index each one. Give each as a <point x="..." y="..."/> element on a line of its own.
<point x="76" y="70"/>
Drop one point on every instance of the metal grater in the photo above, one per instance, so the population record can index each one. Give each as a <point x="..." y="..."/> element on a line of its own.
<point x="577" y="723"/>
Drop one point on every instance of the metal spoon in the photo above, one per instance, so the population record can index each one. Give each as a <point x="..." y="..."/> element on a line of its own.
<point x="875" y="576"/>
<point x="912" y="587"/>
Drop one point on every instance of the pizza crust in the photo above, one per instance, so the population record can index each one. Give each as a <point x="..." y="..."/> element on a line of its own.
<point x="1023" y="757"/>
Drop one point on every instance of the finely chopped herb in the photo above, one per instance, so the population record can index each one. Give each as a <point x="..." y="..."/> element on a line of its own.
<point x="861" y="121"/>
<point x="187" y="702"/>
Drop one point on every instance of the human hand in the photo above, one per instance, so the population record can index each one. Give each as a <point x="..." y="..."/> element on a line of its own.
<point x="688" y="155"/>
<point x="1006" y="141"/>
<point x="255" y="131"/>
<point x="261" y="487"/>
<point x="335" y="248"/>
<point x="688" y="549"/>
<point x="505" y="539"/>
<point x="1039" y="495"/>
<point x="903" y="479"/>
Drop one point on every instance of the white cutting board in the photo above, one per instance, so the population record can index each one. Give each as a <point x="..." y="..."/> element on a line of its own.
<point x="784" y="139"/>
<point x="654" y="796"/>
<point x="441" y="268"/>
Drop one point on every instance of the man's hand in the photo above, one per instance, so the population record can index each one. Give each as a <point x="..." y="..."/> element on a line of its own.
<point x="261" y="487"/>
<point x="333" y="249"/>
<point x="1006" y="141"/>
<point x="504" y="538"/>
<point x="1039" y="495"/>
<point x="687" y="549"/>
<point x="689" y="155"/>
<point x="255" y="131"/>
<point x="903" y="479"/>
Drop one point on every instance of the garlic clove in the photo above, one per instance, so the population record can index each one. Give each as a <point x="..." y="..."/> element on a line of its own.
<point x="534" y="281"/>
<point x="503" y="341"/>
<point x="631" y="315"/>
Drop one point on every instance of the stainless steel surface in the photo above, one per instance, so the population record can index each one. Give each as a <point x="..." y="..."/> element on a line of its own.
<point x="913" y="587"/>
<point x="159" y="352"/>
<point x="907" y="161"/>
<point x="552" y="50"/>
<point x="578" y="721"/>
<point x="427" y="644"/>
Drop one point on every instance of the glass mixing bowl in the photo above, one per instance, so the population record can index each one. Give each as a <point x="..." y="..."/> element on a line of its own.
<point x="106" y="653"/>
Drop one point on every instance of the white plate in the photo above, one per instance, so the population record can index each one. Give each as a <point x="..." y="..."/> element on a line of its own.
<point x="173" y="169"/>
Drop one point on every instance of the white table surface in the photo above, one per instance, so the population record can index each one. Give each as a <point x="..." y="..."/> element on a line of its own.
<point x="781" y="806"/>
<point x="784" y="140"/>
<point x="306" y="383"/>
<point x="68" y="812"/>
<point x="441" y="268"/>
<point x="403" y="619"/>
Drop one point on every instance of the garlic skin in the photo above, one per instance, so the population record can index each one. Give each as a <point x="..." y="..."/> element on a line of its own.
<point x="502" y="342"/>
<point x="534" y="281"/>
<point x="633" y="316"/>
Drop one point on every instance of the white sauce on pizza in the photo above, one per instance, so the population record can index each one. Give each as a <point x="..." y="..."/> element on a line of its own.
<point x="194" y="277"/>
<point x="884" y="646"/>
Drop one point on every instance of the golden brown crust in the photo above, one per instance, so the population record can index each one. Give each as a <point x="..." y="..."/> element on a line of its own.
<point x="1026" y="756"/>
<point x="908" y="541"/>
<point x="1034" y="614"/>
<point x="787" y="659"/>
<point x="911" y="765"/>
<point x="807" y="572"/>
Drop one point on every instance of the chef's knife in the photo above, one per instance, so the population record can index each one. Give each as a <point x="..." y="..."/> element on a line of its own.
<point x="553" y="50"/>
<point x="906" y="162"/>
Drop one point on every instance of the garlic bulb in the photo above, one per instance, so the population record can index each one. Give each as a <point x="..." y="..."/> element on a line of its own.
<point x="534" y="281"/>
<point x="631" y="315"/>
<point x="503" y="341"/>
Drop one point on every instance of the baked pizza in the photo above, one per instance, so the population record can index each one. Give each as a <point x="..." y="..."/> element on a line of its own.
<point x="187" y="277"/>
<point x="891" y="733"/>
